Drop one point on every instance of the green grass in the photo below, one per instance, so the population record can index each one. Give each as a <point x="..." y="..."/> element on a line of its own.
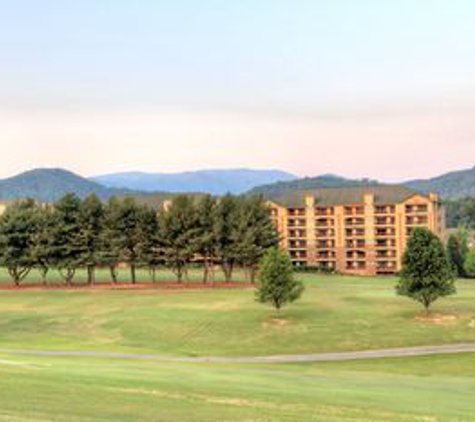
<point x="335" y="314"/>
<point x="423" y="389"/>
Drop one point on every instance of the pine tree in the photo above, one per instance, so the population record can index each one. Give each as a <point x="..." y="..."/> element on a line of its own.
<point x="278" y="286"/>
<point x="67" y="248"/>
<point x="224" y="229"/>
<point x="205" y="214"/>
<point x="180" y="234"/>
<point x="426" y="274"/>
<point x="43" y="242"/>
<point x="109" y="242"/>
<point x="92" y="216"/>
<point x="457" y="250"/>
<point x="18" y="227"/>
<point x="254" y="235"/>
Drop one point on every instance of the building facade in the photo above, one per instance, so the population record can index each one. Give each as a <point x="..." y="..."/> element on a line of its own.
<point x="362" y="230"/>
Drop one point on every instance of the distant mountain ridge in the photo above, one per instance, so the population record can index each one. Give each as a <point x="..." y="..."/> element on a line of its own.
<point x="215" y="182"/>
<point x="453" y="185"/>
<point x="309" y="183"/>
<point x="48" y="185"/>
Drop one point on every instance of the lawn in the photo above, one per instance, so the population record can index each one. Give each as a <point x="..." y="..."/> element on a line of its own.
<point x="65" y="389"/>
<point x="335" y="314"/>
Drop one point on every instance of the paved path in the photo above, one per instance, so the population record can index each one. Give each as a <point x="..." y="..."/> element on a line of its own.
<point x="318" y="357"/>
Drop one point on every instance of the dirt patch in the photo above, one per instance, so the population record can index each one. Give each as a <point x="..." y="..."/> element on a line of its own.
<point x="141" y="287"/>
<point x="443" y="319"/>
<point x="276" y="323"/>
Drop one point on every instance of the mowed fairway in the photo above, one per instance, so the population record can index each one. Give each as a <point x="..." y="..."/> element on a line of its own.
<point x="335" y="314"/>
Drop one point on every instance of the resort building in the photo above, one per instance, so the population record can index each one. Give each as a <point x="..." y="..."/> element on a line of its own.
<point x="361" y="230"/>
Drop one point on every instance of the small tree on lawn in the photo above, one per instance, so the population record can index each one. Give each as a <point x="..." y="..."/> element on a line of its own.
<point x="426" y="274"/>
<point x="278" y="286"/>
<point x="470" y="264"/>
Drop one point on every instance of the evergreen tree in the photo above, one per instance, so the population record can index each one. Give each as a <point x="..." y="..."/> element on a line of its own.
<point x="150" y="246"/>
<point x="278" y="286"/>
<point x="205" y="212"/>
<point x="109" y="242"/>
<point x="225" y="228"/>
<point x="470" y="264"/>
<point x="179" y="228"/>
<point x="42" y="242"/>
<point x="426" y="274"/>
<point x="129" y="232"/>
<point x="18" y="227"/>
<point x="457" y="250"/>
<point x="254" y="235"/>
<point x="92" y="222"/>
<point x="67" y="248"/>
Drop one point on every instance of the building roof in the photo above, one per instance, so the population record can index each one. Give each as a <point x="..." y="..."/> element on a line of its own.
<point x="383" y="194"/>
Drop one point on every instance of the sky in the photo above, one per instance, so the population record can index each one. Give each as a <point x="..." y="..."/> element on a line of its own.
<point x="369" y="88"/>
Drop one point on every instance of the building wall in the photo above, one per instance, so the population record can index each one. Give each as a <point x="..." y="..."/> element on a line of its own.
<point x="367" y="238"/>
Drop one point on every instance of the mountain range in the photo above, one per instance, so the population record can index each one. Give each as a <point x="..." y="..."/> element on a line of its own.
<point x="453" y="185"/>
<point x="48" y="185"/>
<point x="215" y="182"/>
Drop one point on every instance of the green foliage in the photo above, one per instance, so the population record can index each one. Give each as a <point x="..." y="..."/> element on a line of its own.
<point x="426" y="274"/>
<point x="470" y="264"/>
<point x="67" y="244"/>
<point x="255" y="233"/>
<point x="91" y="221"/>
<point x="461" y="212"/>
<point x="457" y="250"/>
<point x="278" y="286"/>
<point x="180" y="234"/>
<point x="18" y="229"/>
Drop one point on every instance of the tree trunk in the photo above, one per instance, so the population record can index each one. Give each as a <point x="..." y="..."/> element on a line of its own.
<point x="133" y="273"/>
<point x="113" y="273"/>
<point x="91" y="276"/>
<point x="44" y="273"/>
<point x="228" y="269"/>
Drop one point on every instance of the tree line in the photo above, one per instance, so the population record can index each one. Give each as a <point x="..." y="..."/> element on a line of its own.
<point x="75" y="234"/>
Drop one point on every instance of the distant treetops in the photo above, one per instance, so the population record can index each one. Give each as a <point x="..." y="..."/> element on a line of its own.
<point x="74" y="233"/>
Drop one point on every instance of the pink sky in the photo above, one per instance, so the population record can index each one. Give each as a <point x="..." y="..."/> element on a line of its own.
<point x="385" y="143"/>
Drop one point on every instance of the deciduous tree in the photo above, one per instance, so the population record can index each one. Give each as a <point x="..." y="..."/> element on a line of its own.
<point x="426" y="274"/>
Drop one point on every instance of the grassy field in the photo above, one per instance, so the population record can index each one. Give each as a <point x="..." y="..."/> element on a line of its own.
<point x="335" y="314"/>
<point x="423" y="389"/>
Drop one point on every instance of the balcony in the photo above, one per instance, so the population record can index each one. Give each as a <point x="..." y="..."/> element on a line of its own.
<point x="355" y="232"/>
<point x="325" y="233"/>
<point x="297" y="234"/>
<point x="355" y="243"/>
<point x="416" y="209"/>
<point x="384" y="209"/>
<point x="324" y="211"/>
<point x="298" y="244"/>
<point x="385" y="232"/>
<point x="352" y="222"/>
<point x="325" y="244"/>
<point x="421" y="220"/>
<point x="385" y="221"/>
<point x="324" y="222"/>
<point x="296" y="212"/>
<point x="300" y="222"/>
<point x="357" y="210"/>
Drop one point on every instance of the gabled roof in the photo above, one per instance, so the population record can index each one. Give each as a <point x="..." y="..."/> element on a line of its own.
<point x="383" y="194"/>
